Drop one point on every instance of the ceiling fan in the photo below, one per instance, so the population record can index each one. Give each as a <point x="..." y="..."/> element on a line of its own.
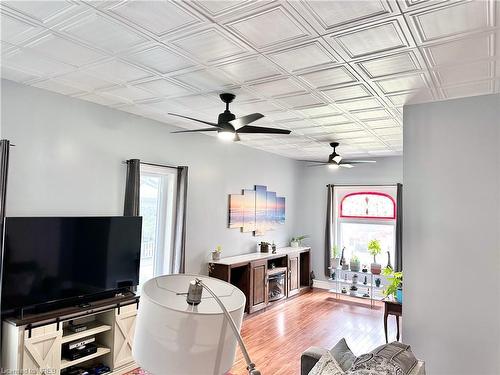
<point x="228" y="127"/>
<point x="335" y="160"/>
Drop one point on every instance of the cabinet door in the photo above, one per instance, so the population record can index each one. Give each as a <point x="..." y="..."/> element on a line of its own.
<point x="42" y="351"/>
<point x="293" y="274"/>
<point x="258" y="285"/>
<point x="124" y="335"/>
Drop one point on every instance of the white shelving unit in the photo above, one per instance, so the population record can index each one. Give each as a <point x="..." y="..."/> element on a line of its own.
<point x="35" y="345"/>
<point x="343" y="279"/>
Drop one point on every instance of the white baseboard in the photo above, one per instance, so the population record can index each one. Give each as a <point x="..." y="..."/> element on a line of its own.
<point x="322" y="284"/>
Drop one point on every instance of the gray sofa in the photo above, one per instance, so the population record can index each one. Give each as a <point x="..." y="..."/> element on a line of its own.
<point x="343" y="356"/>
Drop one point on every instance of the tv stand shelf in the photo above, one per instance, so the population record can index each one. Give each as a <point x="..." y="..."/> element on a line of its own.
<point x="34" y="344"/>
<point x="93" y="329"/>
<point x="100" y="352"/>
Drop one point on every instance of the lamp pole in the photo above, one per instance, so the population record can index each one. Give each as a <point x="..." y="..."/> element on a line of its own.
<point x="194" y="298"/>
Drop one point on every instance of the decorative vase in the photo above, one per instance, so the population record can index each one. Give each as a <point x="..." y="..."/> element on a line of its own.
<point x="342" y="259"/>
<point x="377" y="282"/>
<point x="354" y="279"/>
<point x="354" y="266"/>
<point x="215" y="255"/>
<point x="399" y="295"/>
<point x="334" y="263"/>
<point x="375" y="268"/>
<point x="294" y="244"/>
<point x="389" y="265"/>
<point x="264" y="247"/>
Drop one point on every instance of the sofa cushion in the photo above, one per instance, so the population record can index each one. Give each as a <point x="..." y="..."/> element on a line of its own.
<point x="327" y="365"/>
<point x="343" y="355"/>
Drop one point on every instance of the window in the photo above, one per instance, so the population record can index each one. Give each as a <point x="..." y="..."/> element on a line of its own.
<point x="364" y="215"/>
<point x="157" y="203"/>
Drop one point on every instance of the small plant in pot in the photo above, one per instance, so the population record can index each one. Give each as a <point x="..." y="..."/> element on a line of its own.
<point x="355" y="264"/>
<point x="297" y="241"/>
<point x="395" y="287"/>
<point x="334" y="260"/>
<point x="375" y="249"/>
<point x="216" y="253"/>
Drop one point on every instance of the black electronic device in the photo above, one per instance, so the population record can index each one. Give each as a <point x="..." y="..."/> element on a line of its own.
<point x="67" y="259"/>
<point x="80" y="352"/>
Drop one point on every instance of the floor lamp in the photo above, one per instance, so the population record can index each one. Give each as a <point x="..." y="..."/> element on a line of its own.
<point x="189" y="324"/>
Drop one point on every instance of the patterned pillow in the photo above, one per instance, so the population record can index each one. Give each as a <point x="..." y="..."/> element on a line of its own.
<point x="327" y="365"/>
<point x="371" y="364"/>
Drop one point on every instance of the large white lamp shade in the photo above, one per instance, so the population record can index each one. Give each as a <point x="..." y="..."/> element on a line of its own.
<point x="173" y="337"/>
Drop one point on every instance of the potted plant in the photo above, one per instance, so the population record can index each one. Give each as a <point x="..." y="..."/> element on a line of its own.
<point x="395" y="287"/>
<point x="216" y="253"/>
<point x="297" y="241"/>
<point x="335" y="260"/>
<point x="355" y="263"/>
<point x="375" y="249"/>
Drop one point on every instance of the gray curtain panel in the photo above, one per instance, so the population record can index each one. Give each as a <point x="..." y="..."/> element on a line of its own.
<point x="179" y="245"/>
<point x="329" y="228"/>
<point x="132" y="188"/>
<point x="399" y="228"/>
<point x="4" y="168"/>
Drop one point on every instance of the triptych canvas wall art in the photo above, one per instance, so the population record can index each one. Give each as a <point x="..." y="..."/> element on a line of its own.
<point x="256" y="210"/>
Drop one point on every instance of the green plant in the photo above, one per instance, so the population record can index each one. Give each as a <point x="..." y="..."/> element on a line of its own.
<point x="335" y="251"/>
<point x="395" y="281"/>
<point x="374" y="249"/>
<point x="299" y="238"/>
<point x="218" y="249"/>
<point x="354" y="259"/>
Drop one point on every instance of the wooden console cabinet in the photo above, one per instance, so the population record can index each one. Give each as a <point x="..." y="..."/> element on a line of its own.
<point x="33" y="344"/>
<point x="249" y="273"/>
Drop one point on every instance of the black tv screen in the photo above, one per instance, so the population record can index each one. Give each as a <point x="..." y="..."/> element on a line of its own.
<point x="49" y="259"/>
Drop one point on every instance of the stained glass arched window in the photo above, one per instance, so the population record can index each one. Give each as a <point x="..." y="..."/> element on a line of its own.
<point x="368" y="205"/>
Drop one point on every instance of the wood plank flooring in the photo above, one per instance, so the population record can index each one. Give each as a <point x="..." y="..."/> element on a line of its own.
<point x="276" y="338"/>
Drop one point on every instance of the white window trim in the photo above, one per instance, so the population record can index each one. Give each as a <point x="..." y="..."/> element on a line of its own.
<point x="164" y="230"/>
<point x="341" y="191"/>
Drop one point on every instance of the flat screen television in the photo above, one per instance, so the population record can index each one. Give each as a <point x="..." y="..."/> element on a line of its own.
<point x="54" y="259"/>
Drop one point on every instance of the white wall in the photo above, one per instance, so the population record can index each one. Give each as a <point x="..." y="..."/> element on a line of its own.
<point x="68" y="161"/>
<point x="312" y="204"/>
<point x="452" y="234"/>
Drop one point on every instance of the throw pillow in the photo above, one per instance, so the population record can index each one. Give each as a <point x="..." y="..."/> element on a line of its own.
<point x="343" y="355"/>
<point x="327" y="365"/>
<point x="398" y="353"/>
<point x="371" y="364"/>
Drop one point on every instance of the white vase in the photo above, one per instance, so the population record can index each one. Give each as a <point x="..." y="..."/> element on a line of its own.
<point x="294" y="244"/>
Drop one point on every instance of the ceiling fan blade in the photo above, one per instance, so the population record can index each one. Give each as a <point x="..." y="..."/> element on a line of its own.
<point x="260" y="129"/>
<point x="196" y="130"/>
<point x="359" y="161"/>
<point x="346" y="165"/>
<point x="318" y="165"/>
<point x="245" y="120"/>
<point x="313" y="161"/>
<point x="195" y="119"/>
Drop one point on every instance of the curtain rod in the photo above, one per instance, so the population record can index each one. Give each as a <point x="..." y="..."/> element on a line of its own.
<point x="359" y="185"/>
<point x="154" y="164"/>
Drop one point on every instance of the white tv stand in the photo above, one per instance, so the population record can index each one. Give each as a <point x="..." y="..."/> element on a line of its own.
<point x="33" y="344"/>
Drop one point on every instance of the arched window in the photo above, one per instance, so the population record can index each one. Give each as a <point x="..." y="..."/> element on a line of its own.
<point x="368" y="205"/>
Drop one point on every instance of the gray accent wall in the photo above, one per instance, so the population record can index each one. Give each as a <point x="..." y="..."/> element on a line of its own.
<point x="68" y="161"/>
<point x="451" y="237"/>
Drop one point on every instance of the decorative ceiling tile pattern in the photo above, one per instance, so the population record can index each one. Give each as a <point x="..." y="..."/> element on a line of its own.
<point x="325" y="69"/>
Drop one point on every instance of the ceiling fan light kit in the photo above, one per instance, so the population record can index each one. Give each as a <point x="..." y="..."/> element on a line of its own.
<point x="228" y="127"/>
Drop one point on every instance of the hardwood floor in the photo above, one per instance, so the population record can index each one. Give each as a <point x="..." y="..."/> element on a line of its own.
<point x="276" y="338"/>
